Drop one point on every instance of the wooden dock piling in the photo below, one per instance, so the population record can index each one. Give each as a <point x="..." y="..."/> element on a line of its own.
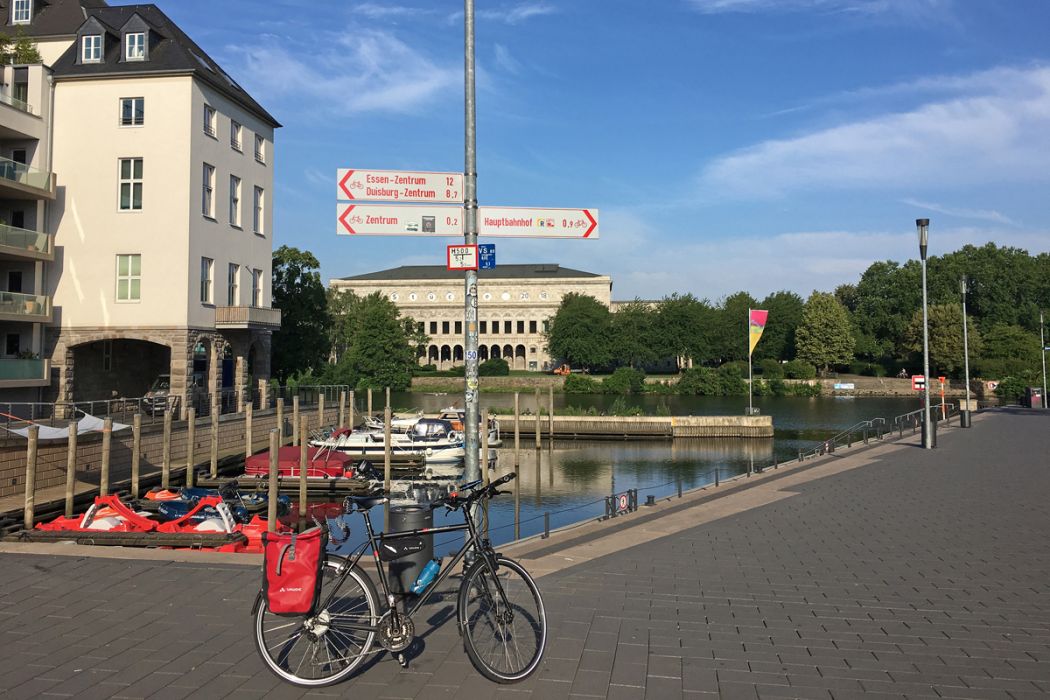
<point x="31" y="452"/>
<point x="136" y="454"/>
<point x="107" y="442"/>
<point x="295" y="420"/>
<point x="191" y="437"/>
<point x="213" y="456"/>
<point x="71" y="468"/>
<point x="272" y="492"/>
<point x="303" y="468"/>
<point x="165" y="460"/>
<point x="248" y="430"/>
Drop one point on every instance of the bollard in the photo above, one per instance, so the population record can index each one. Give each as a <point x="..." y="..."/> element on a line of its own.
<point x="136" y="452"/>
<point x="775" y="463"/>
<point x="280" y="421"/>
<point x="295" y="420"/>
<point x="34" y="436"/>
<point x="350" y="412"/>
<point x="213" y="467"/>
<point x="716" y="480"/>
<point x="191" y="436"/>
<point x="304" y="466"/>
<point x="800" y="455"/>
<point x="865" y="435"/>
<point x="71" y="467"/>
<point x="546" y="525"/>
<point x="537" y="418"/>
<point x="386" y="449"/>
<point x="272" y="492"/>
<point x="107" y="441"/>
<point x="248" y="437"/>
<point x="750" y="467"/>
<point x="165" y="460"/>
<point x="650" y="500"/>
<point x="342" y="409"/>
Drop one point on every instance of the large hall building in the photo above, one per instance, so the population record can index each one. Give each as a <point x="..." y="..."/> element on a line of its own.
<point x="515" y="305"/>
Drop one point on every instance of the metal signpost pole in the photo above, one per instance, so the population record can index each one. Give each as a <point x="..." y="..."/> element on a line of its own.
<point x="964" y="415"/>
<point x="927" y="428"/>
<point x="1042" y="344"/>
<point x="470" y="237"/>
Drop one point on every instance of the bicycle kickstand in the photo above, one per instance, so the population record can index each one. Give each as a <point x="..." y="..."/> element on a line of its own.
<point x="401" y="659"/>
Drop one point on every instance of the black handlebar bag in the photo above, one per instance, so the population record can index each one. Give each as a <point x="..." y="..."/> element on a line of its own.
<point x="292" y="566"/>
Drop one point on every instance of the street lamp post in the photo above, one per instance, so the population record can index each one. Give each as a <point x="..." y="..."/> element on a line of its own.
<point x="964" y="416"/>
<point x="923" y="226"/>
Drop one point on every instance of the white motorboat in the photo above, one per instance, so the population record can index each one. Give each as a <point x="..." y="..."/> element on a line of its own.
<point x="432" y="439"/>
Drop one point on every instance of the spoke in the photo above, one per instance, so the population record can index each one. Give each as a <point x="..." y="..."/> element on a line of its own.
<point x="286" y="640"/>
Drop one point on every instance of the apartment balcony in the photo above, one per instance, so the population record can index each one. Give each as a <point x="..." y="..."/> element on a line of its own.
<point x="22" y="244"/>
<point x="15" y="374"/>
<point x="247" y="318"/>
<point x="25" y="308"/>
<point x="16" y="103"/>
<point x="20" y="181"/>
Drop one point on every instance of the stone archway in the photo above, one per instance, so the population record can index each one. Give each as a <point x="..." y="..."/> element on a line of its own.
<point x="519" y="357"/>
<point x="115" y="367"/>
<point x="457" y="355"/>
<point x="495" y="353"/>
<point x="483" y="353"/>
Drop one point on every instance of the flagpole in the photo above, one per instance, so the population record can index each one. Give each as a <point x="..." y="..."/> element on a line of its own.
<point x="750" y="408"/>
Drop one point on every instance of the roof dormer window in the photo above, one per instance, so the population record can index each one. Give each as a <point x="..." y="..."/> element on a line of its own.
<point x="91" y="48"/>
<point x="21" y="11"/>
<point x="135" y="46"/>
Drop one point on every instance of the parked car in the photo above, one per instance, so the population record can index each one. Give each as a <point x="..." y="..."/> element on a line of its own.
<point x="158" y="399"/>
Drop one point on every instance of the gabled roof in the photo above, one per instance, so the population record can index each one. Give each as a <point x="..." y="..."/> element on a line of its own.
<point x="439" y="272"/>
<point x="171" y="51"/>
<point x="51" y="18"/>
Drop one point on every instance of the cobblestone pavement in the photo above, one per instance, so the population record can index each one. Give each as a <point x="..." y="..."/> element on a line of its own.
<point x="912" y="573"/>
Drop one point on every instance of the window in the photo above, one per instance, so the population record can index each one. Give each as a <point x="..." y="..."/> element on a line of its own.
<point x="257" y="291"/>
<point x="209" y="120"/>
<point x="13" y="345"/>
<point x="235" y="201"/>
<point x="459" y="327"/>
<point x="208" y="191"/>
<point x="521" y="327"/>
<point x="132" y="111"/>
<point x="508" y="327"/>
<point x="532" y="326"/>
<point x="433" y="327"/>
<point x="260" y="149"/>
<point x="484" y="327"/>
<point x="91" y="48"/>
<point x="14" y="281"/>
<point x="135" y="47"/>
<point x="233" y="274"/>
<point x="130" y="184"/>
<point x="129" y="277"/>
<point x="207" y="267"/>
<point x="235" y="136"/>
<point x="444" y="327"/>
<point x="21" y="11"/>
<point x="257" y="218"/>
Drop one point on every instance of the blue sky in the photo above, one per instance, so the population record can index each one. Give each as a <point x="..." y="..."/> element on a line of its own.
<point x="729" y="144"/>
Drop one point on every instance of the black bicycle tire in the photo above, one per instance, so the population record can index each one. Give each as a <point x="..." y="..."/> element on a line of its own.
<point x="372" y="598"/>
<point x="468" y="640"/>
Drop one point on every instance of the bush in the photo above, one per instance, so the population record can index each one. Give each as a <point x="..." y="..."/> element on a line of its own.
<point x="867" y="369"/>
<point x="579" y="384"/>
<point x="496" y="367"/>
<point x="460" y="371"/>
<point x="771" y="369"/>
<point x="736" y="368"/>
<point x="799" y="369"/>
<point x="625" y="380"/>
<point x="1011" y="389"/>
<point x="427" y="368"/>
<point x="620" y="408"/>
<point x="703" y="381"/>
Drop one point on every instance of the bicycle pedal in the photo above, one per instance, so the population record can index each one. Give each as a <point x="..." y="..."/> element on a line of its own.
<point x="401" y="659"/>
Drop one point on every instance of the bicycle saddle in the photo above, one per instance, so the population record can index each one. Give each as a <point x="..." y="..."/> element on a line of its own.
<point x="367" y="502"/>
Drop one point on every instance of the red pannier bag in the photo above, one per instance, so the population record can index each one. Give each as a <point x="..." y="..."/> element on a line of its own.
<point x="292" y="571"/>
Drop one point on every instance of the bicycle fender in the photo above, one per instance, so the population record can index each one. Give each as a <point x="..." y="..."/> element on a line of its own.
<point x="257" y="603"/>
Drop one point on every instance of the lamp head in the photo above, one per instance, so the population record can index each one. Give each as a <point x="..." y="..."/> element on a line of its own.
<point x="962" y="285"/>
<point x="924" y="233"/>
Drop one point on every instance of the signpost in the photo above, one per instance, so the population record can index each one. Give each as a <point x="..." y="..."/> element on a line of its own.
<point x="399" y="186"/>
<point x="398" y="220"/>
<point x="526" y="222"/>
<point x="487" y="256"/>
<point x="462" y="257"/>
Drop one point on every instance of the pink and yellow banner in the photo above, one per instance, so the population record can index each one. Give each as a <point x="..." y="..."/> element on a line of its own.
<point x="756" y="323"/>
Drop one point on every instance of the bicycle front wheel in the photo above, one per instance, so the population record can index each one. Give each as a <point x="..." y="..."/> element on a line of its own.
<point x="326" y="647"/>
<point x="503" y="621"/>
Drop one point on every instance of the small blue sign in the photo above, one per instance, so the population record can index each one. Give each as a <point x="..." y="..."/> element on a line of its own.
<point x="487" y="256"/>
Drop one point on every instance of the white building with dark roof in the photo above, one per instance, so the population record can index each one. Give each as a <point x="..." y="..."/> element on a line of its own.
<point x="515" y="304"/>
<point x="159" y="205"/>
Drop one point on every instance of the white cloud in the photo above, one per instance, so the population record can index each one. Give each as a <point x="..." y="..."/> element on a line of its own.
<point x="377" y="11"/>
<point x="865" y="7"/>
<point x="962" y="212"/>
<point x="507" y="61"/>
<point x="518" y="13"/>
<point x="999" y="132"/>
<point x="360" y="71"/>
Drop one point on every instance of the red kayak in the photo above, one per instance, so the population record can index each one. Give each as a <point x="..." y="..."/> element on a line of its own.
<point x="322" y="463"/>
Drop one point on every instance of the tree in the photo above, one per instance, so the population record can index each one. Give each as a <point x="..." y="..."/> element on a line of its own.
<point x="682" y="328"/>
<point x="580" y="332"/>
<point x="785" y="314"/>
<point x="1009" y="351"/>
<point x="946" y="338"/>
<point x="824" y="338"/>
<point x="730" y="335"/>
<point x="632" y="334"/>
<point x="25" y="51"/>
<point x="302" y="344"/>
<point x="378" y="352"/>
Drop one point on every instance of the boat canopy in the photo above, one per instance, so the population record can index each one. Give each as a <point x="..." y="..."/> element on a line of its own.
<point x="87" y="424"/>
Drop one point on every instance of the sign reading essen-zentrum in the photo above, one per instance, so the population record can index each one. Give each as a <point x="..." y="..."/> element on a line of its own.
<point x="399" y="186"/>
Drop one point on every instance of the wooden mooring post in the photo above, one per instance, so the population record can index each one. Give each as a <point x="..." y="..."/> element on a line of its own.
<point x="136" y="454"/>
<point x="320" y="410"/>
<point x="386" y="450"/>
<point x="71" y="468"/>
<point x="34" y="437"/>
<point x="213" y="466"/>
<point x="484" y="433"/>
<point x="107" y="442"/>
<point x="280" y="421"/>
<point x="342" y="409"/>
<point x="537" y="418"/>
<point x="295" y="420"/>
<point x="191" y="443"/>
<point x="369" y="401"/>
<point x="304" y="464"/>
<point x="350" y="415"/>
<point x="550" y="413"/>
<point x="517" y="432"/>
<point x="165" y="459"/>
<point x="272" y="492"/>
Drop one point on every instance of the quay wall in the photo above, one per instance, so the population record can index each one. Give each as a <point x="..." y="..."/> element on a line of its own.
<point x="626" y="427"/>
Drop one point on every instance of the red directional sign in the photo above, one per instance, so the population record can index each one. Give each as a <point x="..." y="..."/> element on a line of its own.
<point x="525" y="222"/>
<point x="398" y="220"/>
<point x="399" y="186"/>
<point x="918" y="382"/>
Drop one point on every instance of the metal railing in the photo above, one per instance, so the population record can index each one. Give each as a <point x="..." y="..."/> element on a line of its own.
<point x="861" y="432"/>
<point x="913" y="419"/>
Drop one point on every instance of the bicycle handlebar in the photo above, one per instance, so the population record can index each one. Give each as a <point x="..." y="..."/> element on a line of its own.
<point x="454" y="501"/>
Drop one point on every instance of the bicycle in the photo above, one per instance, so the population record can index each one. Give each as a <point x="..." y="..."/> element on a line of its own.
<point x="499" y="609"/>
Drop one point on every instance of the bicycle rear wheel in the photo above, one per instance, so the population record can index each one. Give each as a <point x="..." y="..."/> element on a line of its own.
<point x="326" y="647"/>
<point x="504" y="641"/>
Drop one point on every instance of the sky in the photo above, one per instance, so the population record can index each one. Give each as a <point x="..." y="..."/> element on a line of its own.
<point x="756" y="145"/>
